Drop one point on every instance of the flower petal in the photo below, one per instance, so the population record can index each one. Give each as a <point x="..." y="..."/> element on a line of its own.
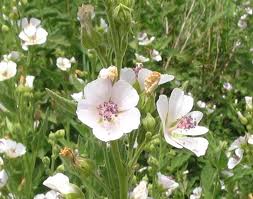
<point x="162" y="105"/>
<point x="170" y="140"/>
<point x="179" y="104"/>
<point x="124" y="95"/>
<point x="236" y="158"/>
<point x="35" y="22"/>
<point x="128" y="75"/>
<point x="197" y="145"/>
<point x="98" y="91"/>
<point x="87" y="114"/>
<point x="108" y="132"/>
<point x="198" y="130"/>
<point x="142" y="75"/>
<point x="165" y="78"/>
<point x="129" y="120"/>
<point x="196" y="116"/>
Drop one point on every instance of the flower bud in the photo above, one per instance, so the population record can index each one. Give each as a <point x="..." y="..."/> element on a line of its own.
<point x="46" y="161"/>
<point x="122" y="14"/>
<point x="109" y="73"/>
<point x="151" y="82"/>
<point x="60" y="134"/>
<point x="249" y="127"/>
<point x="243" y="119"/>
<point x="5" y="28"/>
<point x="60" y="168"/>
<point x="249" y="103"/>
<point x="149" y="122"/>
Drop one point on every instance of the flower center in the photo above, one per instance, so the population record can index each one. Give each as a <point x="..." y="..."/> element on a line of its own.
<point x="108" y="110"/>
<point x="186" y="122"/>
<point x="137" y="69"/>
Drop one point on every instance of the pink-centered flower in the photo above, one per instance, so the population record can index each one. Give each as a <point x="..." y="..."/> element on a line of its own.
<point x="180" y="126"/>
<point x="109" y="109"/>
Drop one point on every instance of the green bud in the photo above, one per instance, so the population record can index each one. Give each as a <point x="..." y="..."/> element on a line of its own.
<point x="5" y="28"/>
<point x="243" y="120"/>
<point x="149" y="122"/>
<point x="24" y="2"/>
<point x="46" y="161"/>
<point x="60" y="168"/>
<point x="148" y="135"/>
<point x="84" y="166"/>
<point x="249" y="127"/>
<point x="51" y="136"/>
<point x="60" y="134"/>
<point x="153" y="161"/>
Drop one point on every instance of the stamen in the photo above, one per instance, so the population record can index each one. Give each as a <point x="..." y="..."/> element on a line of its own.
<point x="108" y="110"/>
<point x="186" y="122"/>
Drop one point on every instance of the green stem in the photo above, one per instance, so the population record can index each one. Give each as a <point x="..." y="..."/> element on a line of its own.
<point x="122" y="175"/>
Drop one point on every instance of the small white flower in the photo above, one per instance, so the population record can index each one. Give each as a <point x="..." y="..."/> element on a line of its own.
<point x="8" y="69"/>
<point x="63" y="63"/>
<point x="249" y="10"/>
<point x="49" y="195"/>
<point x="12" y="56"/>
<point x="147" y="79"/>
<point x="77" y="96"/>
<point x="109" y="109"/>
<point x="103" y="25"/>
<point x="201" y="104"/>
<point x="167" y="183"/>
<point x="249" y="103"/>
<point x="60" y="183"/>
<point x="242" y="24"/>
<point x="180" y="126"/>
<point x="144" y="40"/>
<point x="196" y="193"/>
<point x="72" y="60"/>
<point x="29" y="81"/>
<point x="141" y="58"/>
<point x="140" y="191"/>
<point x="235" y="152"/>
<point x="11" y="148"/>
<point x="3" y="178"/>
<point x="227" y="86"/>
<point x="32" y="33"/>
<point x="155" y="55"/>
<point x="109" y="73"/>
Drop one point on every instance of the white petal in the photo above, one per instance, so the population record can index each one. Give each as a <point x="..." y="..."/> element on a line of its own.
<point x="23" y="22"/>
<point x="35" y="22"/>
<point x="41" y="35"/>
<point x="167" y="182"/>
<point x="250" y="139"/>
<point x="129" y="120"/>
<point x="128" y="75"/>
<point x="108" y="132"/>
<point x="236" y="158"/>
<point x="162" y="105"/>
<point x="98" y="91"/>
<point x="87" y="114"/>
<point x="179" y="104"/>
<point x="198" y="130"/>
<point x="77" y="96"/>
<point x="142" y="75"/>
<point x="3" y="178"/>
<point x="165" y="78"/>
<point x="237" y="143"/>
<point x="170" y="140"/>
<point x="124" y="95"/>
<point x="197" y="145"/>
<point x="196" y="116"/>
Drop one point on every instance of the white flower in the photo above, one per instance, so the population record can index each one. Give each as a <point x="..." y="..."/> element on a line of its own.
<point x="140" y="191"/>
<point x="32" y="33"/>
<point x="72" y="60"/>
<point x="29" y="81"/>
<point x="167" y="183"/>
<point x="155" y="55"/>
<point x="63" y="63"/>
<point x="3" y="178"/>
<point x="144" y="40"/>
<point x="77" y="96"/>
<point x="8" y="69"/>
<point x="147" y="79"/>
<point x="249" y="10"/>
<point x="11" y="148"/>
<point x="49" y="195"/>
<point x="227" y="86"/>
<point x="60" y="183"/>
<point x="201" y="104"/>
<point x="180" y="126"/>
<point x="196" y="193"/>
<point x="235" y="152"/>
<point x="242" y="24"/>
<point x="12" y="56"/>
<point x="109" y="109"/>
<point x="103" y="25"/>
<point x="141" y="58"/>
<point x="109" y="73"/>
<point x="249" y="103"/>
